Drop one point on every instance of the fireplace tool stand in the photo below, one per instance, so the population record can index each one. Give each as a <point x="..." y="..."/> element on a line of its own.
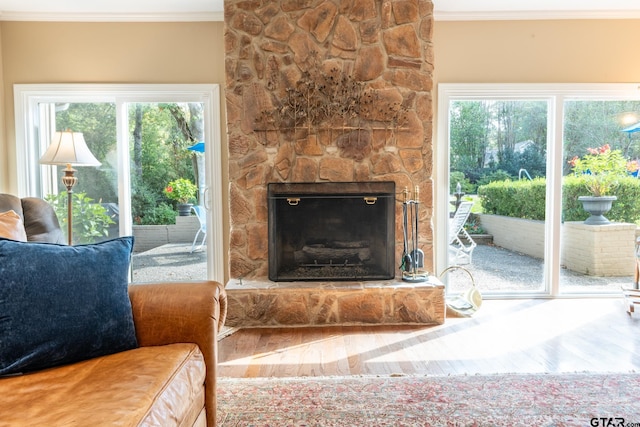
<point x="412" y="264"/>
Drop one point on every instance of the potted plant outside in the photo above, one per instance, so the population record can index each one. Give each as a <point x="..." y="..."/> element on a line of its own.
<point x="601" y="169"/>
<point x="183" y="191"/>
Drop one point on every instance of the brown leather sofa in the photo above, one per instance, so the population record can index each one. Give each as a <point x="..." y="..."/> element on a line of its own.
<point x="40" y="220"/>
<point x="170" y="380"/>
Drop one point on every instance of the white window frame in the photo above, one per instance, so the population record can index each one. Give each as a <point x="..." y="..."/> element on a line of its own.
<point x="555" y="95"/>
<point x="27" y="97"/>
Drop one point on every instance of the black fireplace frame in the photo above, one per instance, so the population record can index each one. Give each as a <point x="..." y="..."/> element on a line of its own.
<point x="370" y="204"/>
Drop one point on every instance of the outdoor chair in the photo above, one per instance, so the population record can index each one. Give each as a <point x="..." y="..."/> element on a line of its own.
<point x="202" y="218"/>
<point x="461" y="250"/>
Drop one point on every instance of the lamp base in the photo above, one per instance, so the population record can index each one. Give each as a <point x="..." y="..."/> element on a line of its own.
<point x="69" y="180"/>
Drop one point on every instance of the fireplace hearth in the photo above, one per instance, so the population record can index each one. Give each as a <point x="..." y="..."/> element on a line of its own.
<point x="331" y="231"/>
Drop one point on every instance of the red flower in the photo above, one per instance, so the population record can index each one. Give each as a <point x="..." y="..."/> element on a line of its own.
<point x="169" y="189"/>
<point x="600" y="150"/>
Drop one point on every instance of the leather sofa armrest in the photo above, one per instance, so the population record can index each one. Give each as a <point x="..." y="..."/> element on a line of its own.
<point x="182" y="312"/>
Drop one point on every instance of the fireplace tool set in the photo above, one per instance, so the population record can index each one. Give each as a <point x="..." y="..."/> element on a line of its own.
<point x="412" y="264"/>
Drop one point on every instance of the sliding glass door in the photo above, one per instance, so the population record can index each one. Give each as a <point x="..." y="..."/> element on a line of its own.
<point x="497" y="166"/>
<point x="145" y="137"/>
<point x="513" y="150"/>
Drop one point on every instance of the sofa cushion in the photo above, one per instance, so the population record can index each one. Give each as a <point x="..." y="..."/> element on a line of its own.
<point x="147" y="386"/>
<point x="41" y="222"/>
<point x="11" y="226"/>
<point x="60" y="304"/>
<point x="38" y="217"/>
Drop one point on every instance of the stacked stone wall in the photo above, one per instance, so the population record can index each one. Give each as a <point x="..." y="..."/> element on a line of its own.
<point x="271" y="46"/>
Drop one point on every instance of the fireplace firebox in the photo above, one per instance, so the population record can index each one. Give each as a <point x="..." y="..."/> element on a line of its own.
<point x="331" y="231"/>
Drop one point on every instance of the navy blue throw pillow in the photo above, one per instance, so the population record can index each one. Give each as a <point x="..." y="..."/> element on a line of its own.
<point x="63" y="304"/>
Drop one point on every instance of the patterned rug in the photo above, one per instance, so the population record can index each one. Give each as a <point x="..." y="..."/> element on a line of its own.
<point x="451" y="401"/>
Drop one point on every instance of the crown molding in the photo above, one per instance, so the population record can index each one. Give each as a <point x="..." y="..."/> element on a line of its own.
<point x="112" y="17"/>
<point x="439" y="15"/>
<point x="530" y="15"/>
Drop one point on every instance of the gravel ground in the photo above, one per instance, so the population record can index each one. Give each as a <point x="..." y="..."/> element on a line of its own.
<point x="497" y="269"/>
<point x="172" y="262"/>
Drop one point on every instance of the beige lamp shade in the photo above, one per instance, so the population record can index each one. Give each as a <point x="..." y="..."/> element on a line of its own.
<point x="68" y="147"/>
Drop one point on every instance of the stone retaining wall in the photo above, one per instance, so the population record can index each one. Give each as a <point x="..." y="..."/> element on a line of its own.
<point x="151" y="236"/>
<point x="516" y="234"/>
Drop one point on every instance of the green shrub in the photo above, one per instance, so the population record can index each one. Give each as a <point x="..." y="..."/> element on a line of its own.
<point x="496" y="175"/>
<point x="143" y="200"/>
<point x="526" y="199"/>
<point x="518" y="199"/>
<point x="148" y="209"/>
<point x="473" y="225"/>
<point x="162" y="214"/>
<point x="90" y="220"/>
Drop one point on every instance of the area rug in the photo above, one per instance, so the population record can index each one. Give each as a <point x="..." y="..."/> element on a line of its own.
<point x="451" y="401"/>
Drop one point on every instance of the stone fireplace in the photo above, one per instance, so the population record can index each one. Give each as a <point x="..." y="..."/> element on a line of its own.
<point x="385" y="47"/>
<point x="325" y="91"/>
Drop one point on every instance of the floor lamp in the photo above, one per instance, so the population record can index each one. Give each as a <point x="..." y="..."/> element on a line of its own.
<point x="69" y="148"/>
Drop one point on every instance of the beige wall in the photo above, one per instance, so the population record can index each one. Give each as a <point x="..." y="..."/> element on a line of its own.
<point x="580" y="51"/>
<point x="48" y="52"/>
<point x="4" y="170"/>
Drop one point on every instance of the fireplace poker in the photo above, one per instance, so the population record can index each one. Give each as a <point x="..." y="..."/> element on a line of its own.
<point x="417" y="255"/>
<point x="406" y="264"/>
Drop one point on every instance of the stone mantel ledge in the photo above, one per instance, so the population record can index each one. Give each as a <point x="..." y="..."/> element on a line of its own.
<point x="263" y="303"/>
<point x="343" y="285"/>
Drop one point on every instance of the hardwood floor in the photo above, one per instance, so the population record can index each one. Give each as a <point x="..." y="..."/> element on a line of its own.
<point x="505" y="336"/>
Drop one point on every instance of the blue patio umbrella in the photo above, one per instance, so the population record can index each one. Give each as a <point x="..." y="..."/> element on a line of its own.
<point x="631" y="129"/>
<point x="199" y="147"/>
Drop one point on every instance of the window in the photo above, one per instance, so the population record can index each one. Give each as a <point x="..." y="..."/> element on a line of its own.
<point x="42" y="109"/>
<point x="556" y="121"/>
